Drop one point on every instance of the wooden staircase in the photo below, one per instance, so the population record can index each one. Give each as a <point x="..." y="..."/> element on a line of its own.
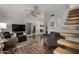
<point x="68" y="46"/>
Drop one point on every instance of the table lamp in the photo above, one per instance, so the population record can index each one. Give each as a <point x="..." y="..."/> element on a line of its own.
<point x="3" y="26"/>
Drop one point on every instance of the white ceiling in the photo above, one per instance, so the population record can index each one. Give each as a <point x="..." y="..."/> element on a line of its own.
<point x="18" y="10"/>
<point x="74" y="6"/>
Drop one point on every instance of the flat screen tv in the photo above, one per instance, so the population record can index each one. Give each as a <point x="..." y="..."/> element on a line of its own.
<point x="18" y="27"/>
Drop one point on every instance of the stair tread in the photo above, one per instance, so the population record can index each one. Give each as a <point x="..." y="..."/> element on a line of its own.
<point x="73" y="15"/>
<point x="71" y="23"/>
<point x="71" y="28"/>
<point x="74" y="35"/>
<point x="73" y="11"/>
<point x="74" y="45"/>
<point x="60" y="50"/>
<point x="73" y="18"/>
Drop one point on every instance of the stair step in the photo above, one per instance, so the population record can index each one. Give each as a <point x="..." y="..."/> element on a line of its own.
<point x="64" y="50"/>
<point x="72" y="39"/>
<point x="69" y="35"/>
<point x="71" y="23"/>
<point x="73" y="15"/>
<point x="73" y="11"/>
<point x="74" y="45"/>
<point x="71" y="28"/>
<point x="74" y="18"/>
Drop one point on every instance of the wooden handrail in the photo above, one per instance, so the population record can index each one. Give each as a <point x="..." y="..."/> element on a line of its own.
<point x="74" y="45"/>
<point x="69" y="35"/>
<point x="71" y="28"/>
<point x="71" y="23"/>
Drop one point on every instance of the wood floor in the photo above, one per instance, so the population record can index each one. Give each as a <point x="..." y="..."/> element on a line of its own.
<point x="34" y="48"/>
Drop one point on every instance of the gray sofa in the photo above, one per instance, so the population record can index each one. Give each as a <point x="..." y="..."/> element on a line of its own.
<point x="11" y="40"/>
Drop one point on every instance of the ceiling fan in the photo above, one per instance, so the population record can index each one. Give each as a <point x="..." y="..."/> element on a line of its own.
<point x="33" y="12"/>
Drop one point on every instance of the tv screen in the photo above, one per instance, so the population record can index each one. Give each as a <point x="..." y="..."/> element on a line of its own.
<point x="18" y="27"/>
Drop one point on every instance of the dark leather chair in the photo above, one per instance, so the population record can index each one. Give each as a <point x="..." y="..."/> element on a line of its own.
<point x="21" y="37"/>
<point x="51" y="39"/>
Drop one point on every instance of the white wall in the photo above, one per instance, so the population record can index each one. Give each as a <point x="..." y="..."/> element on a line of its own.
<point x="59" y="18"/>
<point x="19" y="20"/>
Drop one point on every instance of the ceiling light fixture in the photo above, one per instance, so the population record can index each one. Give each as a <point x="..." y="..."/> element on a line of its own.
<point x="33" y="12"/>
